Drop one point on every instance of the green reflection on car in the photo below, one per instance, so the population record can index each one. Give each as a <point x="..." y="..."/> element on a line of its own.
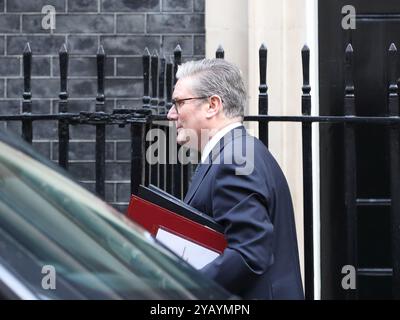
<point x="97" y="253"/>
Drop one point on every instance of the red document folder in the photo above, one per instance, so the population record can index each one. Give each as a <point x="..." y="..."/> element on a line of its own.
<point x="154" y="217"/>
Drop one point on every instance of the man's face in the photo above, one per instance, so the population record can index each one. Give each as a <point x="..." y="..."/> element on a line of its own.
<point x="190" y="117"/>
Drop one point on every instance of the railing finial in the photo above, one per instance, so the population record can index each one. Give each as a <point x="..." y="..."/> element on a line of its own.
<point x="154" y="81"/>
<point x="349" y="81"/>
<point x="101" y="61"/>
<point x="27" y="62"/>
<point x="63" y="54"/>
<point x="177" y="60"/>
<point x="146" y="78"/>
<point x="220" y="53"/>
<point x="393" y="87"/>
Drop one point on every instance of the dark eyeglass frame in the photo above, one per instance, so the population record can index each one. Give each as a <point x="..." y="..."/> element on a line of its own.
<point x="178" y="103"/>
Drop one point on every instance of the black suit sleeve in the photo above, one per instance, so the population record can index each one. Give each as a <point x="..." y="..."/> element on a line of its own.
<point x="240" y="205"/>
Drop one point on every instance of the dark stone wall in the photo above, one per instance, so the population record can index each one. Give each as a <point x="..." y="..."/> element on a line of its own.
<point x="124" y="28"/>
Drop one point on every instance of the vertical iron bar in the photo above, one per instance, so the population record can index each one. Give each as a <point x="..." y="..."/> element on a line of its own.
<point x="170" y="145"/>
<point x="263" y="95"/>
<point x="164" y="166"/>
<point x="350" y="178"/>
<point x="154" y="81"/>
<point x="137" y="155"/>
<point x="147" y="167"/>
<point x="394" y="171"/>
<point x="307" y="178"/>
<point x="178" y="174"/>
<point x="100" y="128"/>
<point x="161" y="166"/>
<point x="220" y="53"/>
<point x="177" y="60"/>
<point x="146" y="105"/>
<point x="146" y="78"/>
<point x="63" y="128"/>
<point x="169" y="77"/>
<point x="154" y="179"/>
<point x="161" y="87"/>
<point x="155" y="139"/>
<point x="27" y="95"/>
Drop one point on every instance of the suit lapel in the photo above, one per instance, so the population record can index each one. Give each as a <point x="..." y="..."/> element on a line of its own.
<point x="198" y="177"/>
<point x="203" y="168"/>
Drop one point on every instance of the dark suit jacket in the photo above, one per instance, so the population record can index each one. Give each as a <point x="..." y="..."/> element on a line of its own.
<point x="243" y="189"/>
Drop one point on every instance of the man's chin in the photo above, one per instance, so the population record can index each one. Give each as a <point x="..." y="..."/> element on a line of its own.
<point x="186" y="140"/>
<point x="182" y="140"/>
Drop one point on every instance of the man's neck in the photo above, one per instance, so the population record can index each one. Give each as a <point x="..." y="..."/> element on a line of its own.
<point x="212" y="132"/>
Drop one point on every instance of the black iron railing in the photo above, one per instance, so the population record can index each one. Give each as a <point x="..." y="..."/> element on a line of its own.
<point x="159" y="76"/>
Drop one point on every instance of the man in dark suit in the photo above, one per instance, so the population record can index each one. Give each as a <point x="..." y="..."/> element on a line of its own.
<point x="238" y="183"/>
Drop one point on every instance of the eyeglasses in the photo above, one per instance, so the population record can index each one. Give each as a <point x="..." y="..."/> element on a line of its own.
<point x="178" y="103"/>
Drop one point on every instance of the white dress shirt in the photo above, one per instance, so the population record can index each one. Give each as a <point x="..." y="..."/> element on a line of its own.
<point x="215" y="139"/>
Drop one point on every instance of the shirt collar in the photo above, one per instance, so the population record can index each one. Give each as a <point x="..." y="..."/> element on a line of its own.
<point x="215" y="139"/>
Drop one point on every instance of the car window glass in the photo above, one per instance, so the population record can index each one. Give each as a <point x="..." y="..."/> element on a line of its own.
<point x="61" y="224"/>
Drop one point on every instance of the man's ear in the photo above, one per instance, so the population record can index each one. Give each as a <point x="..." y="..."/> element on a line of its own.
<point x="215" y="106"/>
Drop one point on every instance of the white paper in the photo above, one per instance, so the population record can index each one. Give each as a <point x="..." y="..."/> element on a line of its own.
<point x="193" y="253"/>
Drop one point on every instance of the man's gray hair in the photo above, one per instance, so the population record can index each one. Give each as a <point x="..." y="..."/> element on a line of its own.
<point x="217" y="77"/>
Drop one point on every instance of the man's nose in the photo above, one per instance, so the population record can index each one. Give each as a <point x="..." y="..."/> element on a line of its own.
<point x="172" y="115"/>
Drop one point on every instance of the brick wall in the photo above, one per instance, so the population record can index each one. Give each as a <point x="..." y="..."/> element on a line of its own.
<point x="124" y="28"/>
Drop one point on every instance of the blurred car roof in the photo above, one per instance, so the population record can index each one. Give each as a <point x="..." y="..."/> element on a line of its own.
<point x="54" y="230"/>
